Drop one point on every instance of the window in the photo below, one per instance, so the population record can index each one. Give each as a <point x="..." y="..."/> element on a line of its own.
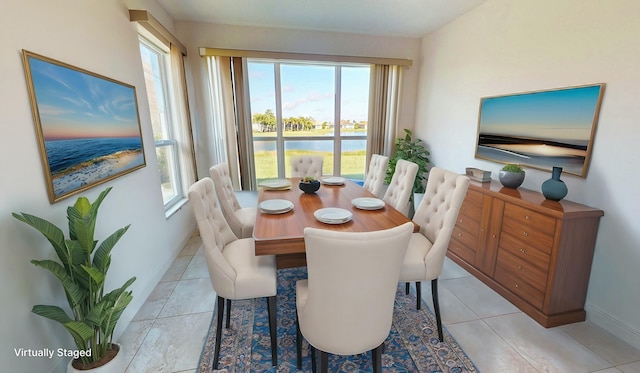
<point x="156" y="63"/>
<point x="308" y="108"/>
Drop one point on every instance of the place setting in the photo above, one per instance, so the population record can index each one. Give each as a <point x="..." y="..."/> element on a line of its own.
<point x="333" y="215"/>
<point x="276" y="184"/>
<point x="275" y="206"/>
<point x="332" y="180"/>
<point x="367" y="203"/>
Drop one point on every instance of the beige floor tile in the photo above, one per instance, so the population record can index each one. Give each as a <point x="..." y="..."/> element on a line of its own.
<point x="192" y="246"/>
<point x="452" y="309"/>
<point x="153" y="305"/>
<point x="548" y="350"/>
<point x="483" y="301"/>
<point x="173" y="344"/>
<point x="452" y="270"/>
<point x="602" y="343"/>
<point x="176" y="269"/>
<point x="190" y="296"/>
<point x="132" y="338"/>
<point x="488" y="351"/>
<point x="608" y="370"/>
<point x="197" y="268"/>
<point x="630" y="368"/>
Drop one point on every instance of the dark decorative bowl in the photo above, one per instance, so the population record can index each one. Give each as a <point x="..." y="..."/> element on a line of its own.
<point x="309" y="187"/>
<point x="511" y="179"/>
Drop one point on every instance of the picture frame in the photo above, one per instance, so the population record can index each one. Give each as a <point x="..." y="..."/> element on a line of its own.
<point x="87" y="125"/>
<point x="541" y="129"/>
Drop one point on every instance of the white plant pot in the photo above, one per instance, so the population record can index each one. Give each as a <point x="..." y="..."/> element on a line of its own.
<point x="116" y="365"/>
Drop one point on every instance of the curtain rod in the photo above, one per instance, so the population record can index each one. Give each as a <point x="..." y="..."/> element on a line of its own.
<point x="302" y="56"/>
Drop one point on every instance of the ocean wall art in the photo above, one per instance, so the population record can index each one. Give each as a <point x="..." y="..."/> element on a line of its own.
<point x="541" y="129"/>
<point x="87" y="125"/>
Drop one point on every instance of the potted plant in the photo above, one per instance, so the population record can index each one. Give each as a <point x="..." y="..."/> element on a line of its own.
<point x="411" y="150"/>
<point x="511" y="175"/>
<point x="309" y="184"/>
<point x="82" y="271"/>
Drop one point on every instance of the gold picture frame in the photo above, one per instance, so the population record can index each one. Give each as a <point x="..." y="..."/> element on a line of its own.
<point x="88" y="125"/>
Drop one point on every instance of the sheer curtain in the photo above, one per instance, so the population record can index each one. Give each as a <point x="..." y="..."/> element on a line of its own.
<point x="384" y="100"/>
<point x="182" y="116"/>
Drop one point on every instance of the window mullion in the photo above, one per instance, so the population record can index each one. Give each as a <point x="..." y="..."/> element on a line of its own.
<point x="337" y="143"/>
<point x="279" y="122"/>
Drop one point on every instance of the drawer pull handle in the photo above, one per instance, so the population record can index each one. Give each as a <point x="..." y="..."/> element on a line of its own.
<point x="522" y="250"/>
<point x="525" y="234"/>
<point x="516" y="285"/>
<point x="493" y="236"/>
<point x="460" y="220"/>
<point x="526" y="217"/>
<point x="520" y="267"/>
<point x="459" y="234"/>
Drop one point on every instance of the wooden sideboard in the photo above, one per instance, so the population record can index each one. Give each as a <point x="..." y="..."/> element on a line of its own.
<point x="535" y="252"/>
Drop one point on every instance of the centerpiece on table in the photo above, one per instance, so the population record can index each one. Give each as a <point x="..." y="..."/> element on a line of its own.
<point x="309" y="184"/>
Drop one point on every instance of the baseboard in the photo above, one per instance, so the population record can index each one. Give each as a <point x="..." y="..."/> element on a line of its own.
<point x="613" y="326"/>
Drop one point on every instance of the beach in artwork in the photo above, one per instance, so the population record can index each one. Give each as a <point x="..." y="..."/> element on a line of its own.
<point x="79" y="162"/>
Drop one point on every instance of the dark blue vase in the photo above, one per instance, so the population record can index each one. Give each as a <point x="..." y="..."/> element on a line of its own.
<point x="554" y="188"/>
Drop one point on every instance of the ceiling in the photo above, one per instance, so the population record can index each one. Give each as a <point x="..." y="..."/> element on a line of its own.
<point x="400" y="18"/>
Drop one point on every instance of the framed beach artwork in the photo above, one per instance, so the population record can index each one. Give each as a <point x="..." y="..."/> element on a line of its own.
<point x="87" y="125"/>
<point x="541" y="129"/>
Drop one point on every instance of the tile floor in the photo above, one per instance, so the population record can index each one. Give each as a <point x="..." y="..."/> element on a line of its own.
<point x="168" y="332"/>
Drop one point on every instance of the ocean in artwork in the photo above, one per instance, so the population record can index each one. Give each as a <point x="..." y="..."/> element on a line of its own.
<point x="74" y="163"/>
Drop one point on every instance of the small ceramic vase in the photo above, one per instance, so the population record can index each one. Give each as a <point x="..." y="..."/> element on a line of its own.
<point x="554" y="188"/>
<point x="309" y="187"/>
<point x="511" y="179"/>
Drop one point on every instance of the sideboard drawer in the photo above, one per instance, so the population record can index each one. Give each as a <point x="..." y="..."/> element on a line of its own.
<point x="466" y="253"/>
<point x="518" y="286"/>
<point x="529" y="273"/>
<point x="530" y="220"/>
<point x="528" y="253"/>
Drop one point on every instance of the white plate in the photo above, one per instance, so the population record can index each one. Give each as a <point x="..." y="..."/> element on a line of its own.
<point x="275" y="206"/>
<point x="366" y="203"/>
<point x="333" y="180"/>
<point x="276" y="184"/>
<point x="333" y="215"/>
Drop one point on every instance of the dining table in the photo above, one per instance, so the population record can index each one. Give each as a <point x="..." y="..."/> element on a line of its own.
<point x="282" y="233"/>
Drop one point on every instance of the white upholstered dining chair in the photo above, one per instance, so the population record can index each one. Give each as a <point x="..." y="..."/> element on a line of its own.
<point x="400" y="189"/>
<point x="436" y="215"/>
<point x="306" y="165"/>
<point x="345" y="307"/>
<point x="234" y="269"/>
<point x="240" y="219"/>
<point x="374" y="181"/>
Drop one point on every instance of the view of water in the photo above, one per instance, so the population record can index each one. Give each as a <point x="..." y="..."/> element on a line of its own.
<point x="63" y="154"/>
<point x="315" y="145"/>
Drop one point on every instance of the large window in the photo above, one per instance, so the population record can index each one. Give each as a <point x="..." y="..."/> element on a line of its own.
<point x="308" y="108"/>
<point x="156" y="64"/>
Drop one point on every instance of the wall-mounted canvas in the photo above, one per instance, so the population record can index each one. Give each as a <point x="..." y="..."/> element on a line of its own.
<point x="87" y="125"/>
<point x="541" y="129"/>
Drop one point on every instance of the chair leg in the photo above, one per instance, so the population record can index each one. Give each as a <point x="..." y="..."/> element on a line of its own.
<point x="314" y="367"/>
<point x="436" y="307"/>
<point x="228" y="314"/>
<point x="418" y="295"/>
<point x="216" y="353"/>
<point x="273" y="327"/>
<point x="298" y="344"/>
<point x="406" y="288"/>
<point x="376" y="358"/>
<point x="323" y="362"/>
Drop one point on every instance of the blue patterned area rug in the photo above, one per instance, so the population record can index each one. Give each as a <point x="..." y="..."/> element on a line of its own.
<point x="412" y="345"/>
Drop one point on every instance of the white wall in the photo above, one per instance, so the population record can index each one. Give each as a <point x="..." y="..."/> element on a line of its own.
<point x="195" y="35"/>
<point x="506" y="46"/>
<point x="97" y="36"/>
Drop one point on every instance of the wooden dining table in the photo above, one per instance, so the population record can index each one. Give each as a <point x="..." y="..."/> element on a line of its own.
<point x="282" y="235"/>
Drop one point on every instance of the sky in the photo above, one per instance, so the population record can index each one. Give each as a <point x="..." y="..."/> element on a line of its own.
<point x="566" y="114"/>
<point x="74" y="104"/>
<point x="309" y="90"/>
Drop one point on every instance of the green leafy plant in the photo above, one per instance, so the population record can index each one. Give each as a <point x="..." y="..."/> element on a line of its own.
<point x="512" y="167"/>
<point x="411" y="150"/>
<point x="308" y="179"/>
<point x="82" y="271"/>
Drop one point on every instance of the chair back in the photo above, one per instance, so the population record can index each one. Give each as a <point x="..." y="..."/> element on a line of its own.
<point x="352" y="282"/>
<point x="226" y="196"/>
<point x="306" y="165"/>
<point x="438" y="212"/>
<point x="374" y="181"/>
<point x="400" y="189"/>
<point x="215" y="234"/>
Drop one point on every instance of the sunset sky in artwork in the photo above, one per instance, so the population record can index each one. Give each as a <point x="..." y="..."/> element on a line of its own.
<point x="566" y="114"/>
<point x="76" y="105"/>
